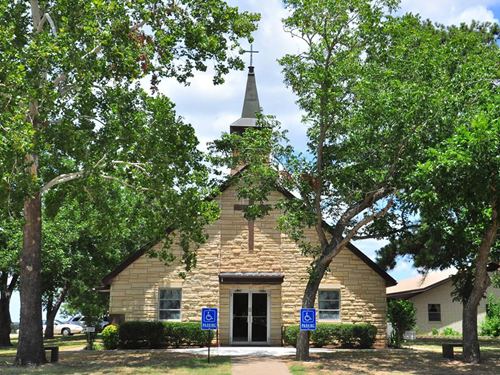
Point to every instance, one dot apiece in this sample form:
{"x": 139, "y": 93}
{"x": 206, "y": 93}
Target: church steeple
{"x": 251, "y": 105}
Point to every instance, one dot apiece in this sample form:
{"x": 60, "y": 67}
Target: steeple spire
{"x": 251, "y": 104}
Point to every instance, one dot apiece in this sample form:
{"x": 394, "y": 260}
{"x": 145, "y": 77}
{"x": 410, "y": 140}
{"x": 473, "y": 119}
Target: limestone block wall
{"x": 134, "y": 292}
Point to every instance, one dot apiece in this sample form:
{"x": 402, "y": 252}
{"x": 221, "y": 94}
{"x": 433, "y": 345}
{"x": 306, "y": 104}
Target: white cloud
{"x": 404, "y": 269}
{"x": 452, "y": 11}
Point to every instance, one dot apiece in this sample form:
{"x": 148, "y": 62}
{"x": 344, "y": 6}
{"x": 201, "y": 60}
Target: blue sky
{"x": 211, "y": 109}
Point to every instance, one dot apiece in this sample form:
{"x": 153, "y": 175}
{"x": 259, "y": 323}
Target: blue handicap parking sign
{"x": 307, "y": 319}
{"x": 208, "y": 318}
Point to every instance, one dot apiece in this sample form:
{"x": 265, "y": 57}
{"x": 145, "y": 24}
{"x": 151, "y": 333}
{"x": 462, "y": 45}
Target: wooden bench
{"x": 448, "y": 349}
{"x": 54, "y": 352}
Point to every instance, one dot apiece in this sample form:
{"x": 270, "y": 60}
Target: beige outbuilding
{"x": 432, "y": 297}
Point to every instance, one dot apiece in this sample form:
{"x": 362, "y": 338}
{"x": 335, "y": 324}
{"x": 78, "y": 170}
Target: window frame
{"x": 159, "y": 304}
{"x": 334, "y": 310}
{"x": 434, "y": 312}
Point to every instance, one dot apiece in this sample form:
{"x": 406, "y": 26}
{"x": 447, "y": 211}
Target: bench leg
{"x": 448, "y": 352}
{"x": 54, "y": 355}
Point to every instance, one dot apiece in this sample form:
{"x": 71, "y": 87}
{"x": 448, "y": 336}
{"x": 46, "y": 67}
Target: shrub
{"x": 110, "y": 337}
{"x": 491, "y": 324}
{"x": 366, "y": 334}
{"x": 290, "y": 335}
{"x": 448, "y": 331}
{"x": 359, "y": 335}
{"x": 322, "y": 335}
{"x": 402, "y": 315}
{"x": 141, "y": 334}
{"x": 435, "y": 332}
{"x": 177, "y": 334}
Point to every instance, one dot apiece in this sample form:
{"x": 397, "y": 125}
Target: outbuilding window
{"x": 434, "y": 312}
{"x": 329, "y": 304}
{"x": 170, "y": 304}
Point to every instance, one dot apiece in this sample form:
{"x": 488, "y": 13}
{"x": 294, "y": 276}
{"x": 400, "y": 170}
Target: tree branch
{"x": 62, "y": 179}
{"x": 12, "y": 284}
{"x": 369, "y": 199}
{"x": 132, "y": 164}
{"x": 47, "y": 18}
{"x": 367, "y": 219}
{"x": 124, "y": 183}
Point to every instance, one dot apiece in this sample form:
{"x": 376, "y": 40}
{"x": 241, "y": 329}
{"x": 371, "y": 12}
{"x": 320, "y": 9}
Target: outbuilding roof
{"x": 419, "y": 284}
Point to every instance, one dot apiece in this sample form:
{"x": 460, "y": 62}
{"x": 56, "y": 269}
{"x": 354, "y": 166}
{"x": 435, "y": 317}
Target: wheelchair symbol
{"x": 307, "y": 317}
{"x": 208, "y": 316}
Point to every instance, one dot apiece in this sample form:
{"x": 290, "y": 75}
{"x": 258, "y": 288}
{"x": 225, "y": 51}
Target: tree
{"x": 377, "y": 92}
{"x": 72, "y": 109}
{"x": 456, "y": 194}
{"x": 402, "y": 316}
{"x": 9, "y": 273}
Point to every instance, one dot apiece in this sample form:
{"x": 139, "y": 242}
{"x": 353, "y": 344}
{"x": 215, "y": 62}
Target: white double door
{"x": 249, "y": 318}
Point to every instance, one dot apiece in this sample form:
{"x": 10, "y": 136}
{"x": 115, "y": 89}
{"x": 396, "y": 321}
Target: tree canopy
{"x": 379, "y": 93}
{"x": 72, "y": 107}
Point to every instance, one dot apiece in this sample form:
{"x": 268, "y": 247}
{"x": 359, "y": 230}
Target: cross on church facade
{"x": 251, "y": 225}
{"x": 251, "y": 52}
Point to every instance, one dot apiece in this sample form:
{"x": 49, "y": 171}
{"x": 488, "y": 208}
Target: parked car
{"x": 64, "y": 329}
{"x": 80, "y": 320}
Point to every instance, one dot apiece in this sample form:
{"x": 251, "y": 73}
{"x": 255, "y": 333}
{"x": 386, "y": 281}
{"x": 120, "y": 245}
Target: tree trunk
{"x": 52, "y": 309}
{"x": 49, "y": 320}
{"x": 481, "y": 283}
{"x": 472, "y": 353}
{"x": 5, "y": 322}
{"x": 30, "y": 350}
{"x": 302, "y": 353}
{"x": 6, "y": 290}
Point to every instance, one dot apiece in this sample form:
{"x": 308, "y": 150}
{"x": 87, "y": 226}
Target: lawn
{"x": 422, "y": 356}
{"x": 124, "y": 362}
{"x": 75, "y": 342}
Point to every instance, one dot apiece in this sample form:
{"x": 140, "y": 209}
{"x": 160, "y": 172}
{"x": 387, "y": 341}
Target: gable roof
{"x": 107, "y": 280}
{"x": 419, "y": 284}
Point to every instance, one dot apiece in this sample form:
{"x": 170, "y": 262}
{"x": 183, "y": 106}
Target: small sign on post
{"x": 307, "y": 319}
{"x": 90, "y": 337}
{"x": 209, "y": 322}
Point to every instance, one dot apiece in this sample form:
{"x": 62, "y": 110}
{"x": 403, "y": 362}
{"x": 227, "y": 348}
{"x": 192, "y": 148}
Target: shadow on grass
{"x": 57, "y": 340}
{"x": 130, "y": 361}
{"x": 402, "y": 361}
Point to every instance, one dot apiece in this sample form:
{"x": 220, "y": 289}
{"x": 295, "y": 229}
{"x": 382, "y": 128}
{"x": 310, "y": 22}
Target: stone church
{"x": 251, "y": 272}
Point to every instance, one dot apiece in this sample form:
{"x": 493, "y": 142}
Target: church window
{"x": 329, "y": 304}
{"x": 170, "y": 304}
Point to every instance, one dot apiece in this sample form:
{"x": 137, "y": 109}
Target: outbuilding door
{"x": 249, "y": 318}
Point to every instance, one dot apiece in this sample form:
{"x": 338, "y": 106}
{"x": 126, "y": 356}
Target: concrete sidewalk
{"x": 258, "y": 366}
{"x": 248, "y": 351}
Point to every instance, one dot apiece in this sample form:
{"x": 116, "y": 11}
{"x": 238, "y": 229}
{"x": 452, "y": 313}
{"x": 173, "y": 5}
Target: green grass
{"x": 74, "y": 342}
{"x": 297, "y": 370}
{"x": 423, "y": 356}
{"x": 124, "y": 362}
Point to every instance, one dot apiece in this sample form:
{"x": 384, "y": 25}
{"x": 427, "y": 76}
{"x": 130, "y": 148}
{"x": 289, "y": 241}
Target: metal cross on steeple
{"x": 251, "y": 52}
